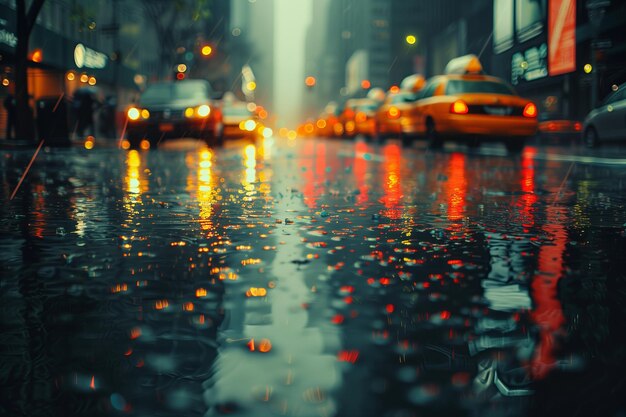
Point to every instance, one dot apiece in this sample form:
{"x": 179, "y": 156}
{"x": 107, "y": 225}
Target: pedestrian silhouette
{"x": 9, "y": 105}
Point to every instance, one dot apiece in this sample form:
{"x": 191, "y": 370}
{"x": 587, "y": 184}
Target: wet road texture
{"x": 311, "y": 278}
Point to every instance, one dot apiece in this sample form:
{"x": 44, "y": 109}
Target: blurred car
{"x": 607, "y": 122}
{"x": 239, "y": 121}
{"x": 468, "y": 105}
{"x": 173, "y": 109}
{"x": 397, "y": 116}
{"x": 365, "y": 117}
{"x": 555, "y": 126}
{"x": 346, "y": 118}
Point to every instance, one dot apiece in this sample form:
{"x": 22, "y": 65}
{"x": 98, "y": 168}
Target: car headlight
{"x": 201, "y": 112}
{"x": 135, "y": 114}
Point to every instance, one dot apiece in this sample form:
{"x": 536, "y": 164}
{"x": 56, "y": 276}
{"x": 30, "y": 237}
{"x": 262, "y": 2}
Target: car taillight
{"x": 393, "y": 113}
{"x": 459, "y": 107}
{"x": 361, "y": 117}
{"x": 578, "y": 126}
{"x": 530, "y": 110}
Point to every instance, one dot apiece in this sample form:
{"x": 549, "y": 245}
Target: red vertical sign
{"x": 562, "y": 37}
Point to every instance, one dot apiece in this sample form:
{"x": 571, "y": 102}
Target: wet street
{"x": 313, "y": 277}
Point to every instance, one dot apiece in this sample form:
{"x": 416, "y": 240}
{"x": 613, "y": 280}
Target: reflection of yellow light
{"x": 144, "y": 144}
{"x": 133, "y": 163}
{"x": 89, "y": 144}
{"x": 92, "y": 81}
{"x": 588, "y": 68}
{"x": 189, "y": 112}
{"x": 201, "y": 292}
{"x": 70, "y": 76}
{"x": 291, "y": 135}
{"x": 125, "y": 144}
{"x": 84, "y": 78}
{"x": 145, "y": 113}
{"x": 411, "y": 39}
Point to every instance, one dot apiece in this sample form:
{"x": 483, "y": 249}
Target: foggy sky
{"x": 292, "y": 20}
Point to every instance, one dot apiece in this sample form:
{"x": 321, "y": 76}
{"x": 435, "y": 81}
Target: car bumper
{"x": 486, "y": 126}
{"x": 171, "y": 129}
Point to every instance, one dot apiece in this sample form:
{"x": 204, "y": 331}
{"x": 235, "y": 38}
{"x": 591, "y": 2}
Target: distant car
{"x": 173, "y": 109}
{"x": 365, "y": 117}
{"x": 471, "y": 107}
{"x": 397, "y": 116}
{"x": 607, "y": 122}
{"x": 556, "y": 126}
{"x": 238, "y": 121}
{"x": 346, "y": 118}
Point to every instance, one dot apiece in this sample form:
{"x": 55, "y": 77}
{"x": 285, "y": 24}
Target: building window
{"x": 502, "y": 25}
{"x": 529, "y": 18}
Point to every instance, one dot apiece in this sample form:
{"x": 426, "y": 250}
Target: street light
{"x": 411, "y": 39}
{"x": 206, "y": 50}
{"x": 310, "y": 81}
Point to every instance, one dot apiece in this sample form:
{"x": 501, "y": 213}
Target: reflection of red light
{"x": 348, "y": 356}
{"x": 365, "y": 84}
{"x": 548, "y": 313}
{"x": 392, "y": 180}
{"x": 527, "y": 183}
{"x": 456, "y": 187}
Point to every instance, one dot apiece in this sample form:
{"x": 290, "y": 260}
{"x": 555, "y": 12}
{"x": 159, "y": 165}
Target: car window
{"x": 429, "y": 89}
{"x": 166, "y": 92}
{"x": 236, "y": 111}
{"x": 403, "y": 98}
{"x": 474, "y": 86}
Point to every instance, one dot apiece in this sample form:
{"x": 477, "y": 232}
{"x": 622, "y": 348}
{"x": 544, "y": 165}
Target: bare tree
{"x": 175, "y": 23}
{"x": 26, "y": 18}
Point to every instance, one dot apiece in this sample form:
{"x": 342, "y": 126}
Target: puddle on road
{"x": 325, "y": 278}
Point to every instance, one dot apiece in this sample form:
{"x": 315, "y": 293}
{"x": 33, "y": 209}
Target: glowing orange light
{"x": 310, "y": 81}
{"x": 144, "y": 144}
{"x": 459, "y": 107}
{"x": 84, "y": 78}
{"x": 394, "y": 89}
{"x": 135, "y": 332}
{"x": 360, "y": 117}
{"x": 71, "y": 76}
{"x": 125, "y": 144}
{"x": 188, "y": 306}
{"x": 530, "y": 110}
{"x": 37, "y": 55}
{"x": 309, "y": 128}
{"x": 393, "y": 113}
{"x": 321, "y": 124}
{"x": 365, "y": 84}
{"x": 251, "y": 345}
{"x": 265, "y": 345}
{"x": 201, "y": 292}
{"x": 92, "y": 384}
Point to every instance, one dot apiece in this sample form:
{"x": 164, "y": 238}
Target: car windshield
{"x": 168, "y": 92}
{"x": 403, "y": 98}
{"x": 236, "y": 111}
{"x": 467, "y": 86}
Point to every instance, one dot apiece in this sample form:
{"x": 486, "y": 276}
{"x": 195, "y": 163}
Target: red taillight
{"x": 578, "y": 126}
{"x": 361, "y": 117}
{"x": 459, "y": 107}
{"x": 393, "y": 113}
{"x": 530, "y": 110}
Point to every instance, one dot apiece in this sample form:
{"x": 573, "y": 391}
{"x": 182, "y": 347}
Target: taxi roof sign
{"x": 413, "y": 83}
{"x": 466, "y": 64}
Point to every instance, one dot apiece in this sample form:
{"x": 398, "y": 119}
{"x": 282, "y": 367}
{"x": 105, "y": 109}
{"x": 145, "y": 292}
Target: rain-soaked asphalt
{"x": 312, "y": 278}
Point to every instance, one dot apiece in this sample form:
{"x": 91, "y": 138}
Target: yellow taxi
{"x": 466, "y": 104}
{"x": 397, "y": 116}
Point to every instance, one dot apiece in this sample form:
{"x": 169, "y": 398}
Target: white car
{"x": 607, "y": 122}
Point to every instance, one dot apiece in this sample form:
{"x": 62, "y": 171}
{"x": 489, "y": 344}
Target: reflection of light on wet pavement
{"x": 272, "y": 361}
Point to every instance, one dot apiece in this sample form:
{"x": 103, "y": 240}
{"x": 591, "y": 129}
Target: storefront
{"x": 58, "y": 66}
